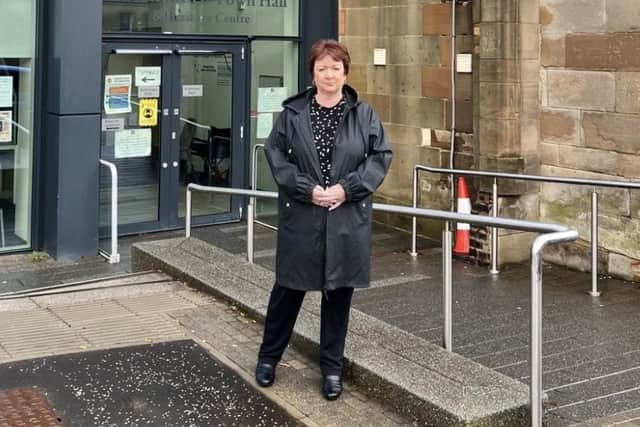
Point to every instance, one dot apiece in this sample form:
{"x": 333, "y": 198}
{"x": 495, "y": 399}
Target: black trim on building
{"x": 68, "y": 91}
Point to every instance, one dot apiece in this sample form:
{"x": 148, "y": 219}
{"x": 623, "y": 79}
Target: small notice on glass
{"x": 6, "y": 126}
{"x": 6, "y": 91}
{"x": 132, "y": 143}
{"x": 191, "y": 91}
{"x": 112, "y": 124}
{"x": 264, "y": 125}
{"x": 148, "y": 112}
{"x": 148, "y": 91}
{"x": 117, "y": 93}
{"x": 270, "y": 99}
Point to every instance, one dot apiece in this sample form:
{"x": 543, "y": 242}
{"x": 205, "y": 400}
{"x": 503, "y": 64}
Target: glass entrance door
{"x": 171, "y": 115}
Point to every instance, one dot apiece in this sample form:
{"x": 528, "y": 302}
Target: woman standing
{"x": 328, "y": 153}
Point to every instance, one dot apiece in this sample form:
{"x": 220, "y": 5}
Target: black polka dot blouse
{"x": 324, "y": 123}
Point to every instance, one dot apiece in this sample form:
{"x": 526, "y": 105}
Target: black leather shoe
{"x": 331, "y": 387}
{"x": 265, "y": 374}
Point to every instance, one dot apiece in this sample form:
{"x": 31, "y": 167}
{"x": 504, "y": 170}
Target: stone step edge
{"x": 383, "y": 374}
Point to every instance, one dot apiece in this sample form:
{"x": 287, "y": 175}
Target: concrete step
{"x": 415, "y": 377}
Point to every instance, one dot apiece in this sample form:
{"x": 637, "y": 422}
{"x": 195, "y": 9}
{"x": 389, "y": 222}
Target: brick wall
{"x": 412, "y": 92}
{"x": 590, "y": 122}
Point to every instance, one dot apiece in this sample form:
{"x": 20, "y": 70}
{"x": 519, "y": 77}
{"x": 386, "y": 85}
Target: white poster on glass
{"x": 264, "y": 125}
{"x": 270, "y": 99}
{"x": 6, "y": 91}
{"x": 132, "y": 143}
{"x": 117, "y": 93}
{"x": 6, "y": 126}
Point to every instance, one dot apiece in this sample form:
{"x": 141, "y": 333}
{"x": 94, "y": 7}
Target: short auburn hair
{"x": 334, "y": 49}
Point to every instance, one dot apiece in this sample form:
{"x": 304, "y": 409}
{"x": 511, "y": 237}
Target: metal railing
{"x": 552, "y": 234}
{"x": 254, "y": 185}
{"x": 251, "y": 208}
{"x": 2, "y": 241}
{"x": 494, "y": 211}
{"x": 114, "y": 256}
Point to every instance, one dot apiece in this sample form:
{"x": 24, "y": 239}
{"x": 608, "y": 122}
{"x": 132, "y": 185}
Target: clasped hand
{"x": 331, "y": 197}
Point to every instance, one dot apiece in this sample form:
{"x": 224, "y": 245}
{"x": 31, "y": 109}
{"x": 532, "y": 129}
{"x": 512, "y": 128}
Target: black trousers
{"x": 284, "y": 306}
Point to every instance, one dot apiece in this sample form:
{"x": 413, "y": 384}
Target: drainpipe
{"x": 453, "y": 101}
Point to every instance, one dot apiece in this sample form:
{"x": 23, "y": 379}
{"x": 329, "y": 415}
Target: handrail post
{"x": 536, "y": 318}
{"x": 2, "y": 229}
{"x": 250, "y": 219}
{"x": 494, "y": 230}
{"x": 594, "y": 245}
{"x": 536, "y": 334}
{"x": 114, "y": 256}
{"x": 414, "y": 220}
{"x": 251, "y": 209}
{"x": 447, "y": 273}
{"x": 187, "y": 217}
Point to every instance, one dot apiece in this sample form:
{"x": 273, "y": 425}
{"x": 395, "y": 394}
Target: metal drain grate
{"x": 26, "y": 406}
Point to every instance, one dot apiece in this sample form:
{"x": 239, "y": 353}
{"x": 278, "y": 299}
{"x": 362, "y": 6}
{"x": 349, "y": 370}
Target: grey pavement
{"x": 591, "y": 358}
{"x": 160, "y": 353}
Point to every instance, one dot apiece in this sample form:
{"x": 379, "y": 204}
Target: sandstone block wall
{"x": 590, "y": 123}
{"x": 412, "y": 92}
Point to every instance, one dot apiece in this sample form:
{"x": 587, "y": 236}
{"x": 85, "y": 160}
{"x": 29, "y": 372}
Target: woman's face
{"x": 329, "y": 75}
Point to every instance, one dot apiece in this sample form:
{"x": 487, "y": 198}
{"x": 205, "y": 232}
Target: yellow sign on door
{"x": 148, "y": 113}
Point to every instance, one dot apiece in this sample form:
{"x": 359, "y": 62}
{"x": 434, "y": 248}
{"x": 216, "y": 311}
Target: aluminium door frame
{"x": 167, "y": 210}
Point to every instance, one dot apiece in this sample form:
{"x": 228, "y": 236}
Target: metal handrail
{"x": 553, "y": 233}
{"x": 114, "y": 256}
{"x": 494, "y": 211}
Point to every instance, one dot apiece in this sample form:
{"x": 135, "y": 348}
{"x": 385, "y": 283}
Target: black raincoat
{"x": 320, "y": 249}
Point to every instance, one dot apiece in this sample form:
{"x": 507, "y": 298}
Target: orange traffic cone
{"x": 462, "y": 229}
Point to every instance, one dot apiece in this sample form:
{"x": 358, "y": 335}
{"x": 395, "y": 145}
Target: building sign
{"x": 255, "y": 17}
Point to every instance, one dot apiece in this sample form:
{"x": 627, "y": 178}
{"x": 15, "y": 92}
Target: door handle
{"x": 165, "y": 165}
{"x": 175, "y": 164}
{"x": 197, "y": 51}
{"x": 142, "y": 51}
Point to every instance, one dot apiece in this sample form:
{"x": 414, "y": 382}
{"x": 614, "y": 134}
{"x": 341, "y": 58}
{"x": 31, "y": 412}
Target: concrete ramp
{"x": 415, "y": 377}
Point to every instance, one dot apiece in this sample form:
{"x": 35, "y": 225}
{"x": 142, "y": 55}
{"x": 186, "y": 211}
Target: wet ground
{"x": 166, "y": 384}
{"x": 591, "y": 359}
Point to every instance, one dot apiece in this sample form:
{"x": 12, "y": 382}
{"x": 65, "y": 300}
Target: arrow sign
{"x": 148, "y": 76}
